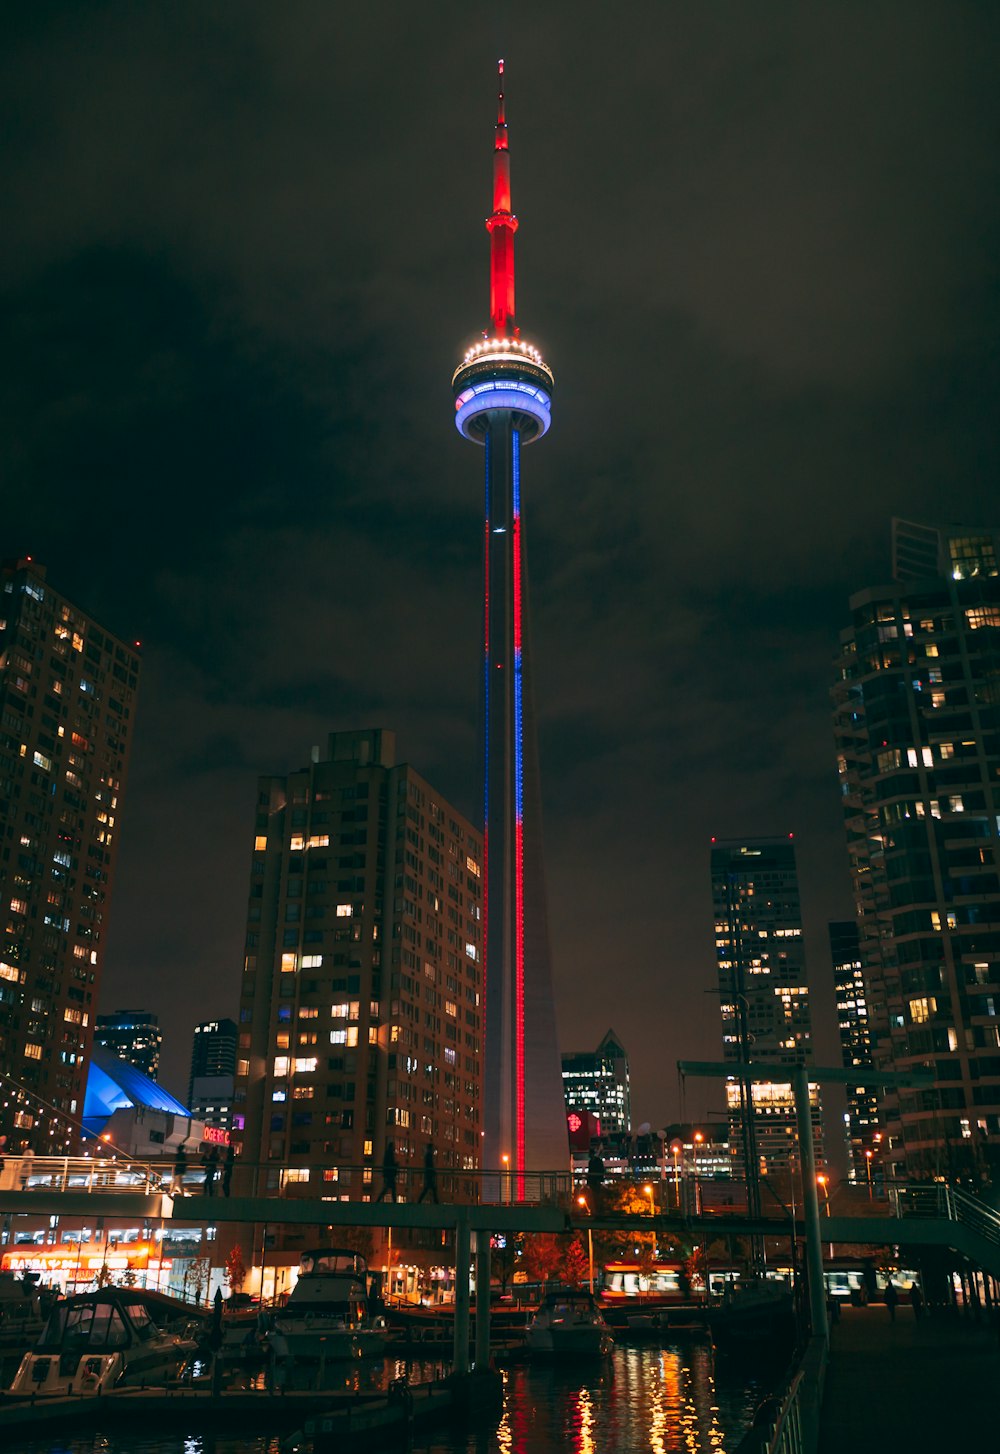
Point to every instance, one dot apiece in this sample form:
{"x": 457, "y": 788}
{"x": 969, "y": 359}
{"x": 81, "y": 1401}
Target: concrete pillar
{"x": 463, "y": 1264}
{"x": 482, "y": 1300}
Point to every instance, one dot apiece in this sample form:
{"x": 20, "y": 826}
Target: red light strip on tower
{"x": 515, "y": 446}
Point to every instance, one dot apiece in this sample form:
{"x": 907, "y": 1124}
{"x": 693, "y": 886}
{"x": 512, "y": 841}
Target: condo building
{"x": 596, "y": 1082}
{"x": 67, "y": 712}
{"x": 360, "y": 1017}
{"x": 862, "y": 1135}
{"x": 917, "y": 729}
{"x": 133, "y": 1036}
{"x": 764, "y": 994}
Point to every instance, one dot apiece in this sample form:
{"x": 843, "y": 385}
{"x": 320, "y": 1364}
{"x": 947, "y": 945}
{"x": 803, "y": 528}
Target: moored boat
{"x": 327, "y": 1314}
{"x": 569, "y": 1322}
{"x": 97, "y": 1341}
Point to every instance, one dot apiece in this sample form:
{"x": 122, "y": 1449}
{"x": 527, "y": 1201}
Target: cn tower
{"x": 503, "y": 399}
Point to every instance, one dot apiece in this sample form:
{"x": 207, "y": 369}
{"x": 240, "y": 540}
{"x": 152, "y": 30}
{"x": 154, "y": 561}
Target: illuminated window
{"x": 33, "y": 1051}
{"x": 344, "y": 911}
{"x": 303, "y": 1093}
{"x": 372, "y": 1034}
{"x": 288, "y": 963}
{"x": 352, "y": 1035}
{"x": 243, "y": 1067}
{"x": 331, "y": 1173}
{"x": 312, "y": 961}
{"x": 281, "y": 1065}
{"x": 260, "y": 842}
{"x": 19, "y": 906}
{"x": 297, "y": 1173}
{"x": 42, "y": 761}
{"x": 339, "y": 1012}
{"x": 978, "y": 616}
{"x": 338, "y": 1037}
{"x": 922, "y": 1009}
{"x": 281, "y": 1040}
{"x": 319, "y": 840}
{"x": 297, "y": 842}
{"x": 473, "y": 867}
{"x": 305, "y": 1065}
{"x": 308, "y": 1012}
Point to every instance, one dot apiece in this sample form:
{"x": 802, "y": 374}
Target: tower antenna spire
{"x": 501, "y": 225}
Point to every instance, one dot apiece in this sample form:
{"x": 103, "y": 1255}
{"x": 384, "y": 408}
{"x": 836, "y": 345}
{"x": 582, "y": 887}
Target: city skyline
{"x": 767, "y": 262}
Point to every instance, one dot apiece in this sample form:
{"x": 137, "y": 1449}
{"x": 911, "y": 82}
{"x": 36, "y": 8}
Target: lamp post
{"x": 505, "y": 1195}
{"x": 824, "y": 1181}
{"x": 697, "y": 1140}
{"x": 677, "y": 1148}
{"x": 652, "y": 1204}
{"x": 581, "y": 1201}
{"x": 868, "y": 1167}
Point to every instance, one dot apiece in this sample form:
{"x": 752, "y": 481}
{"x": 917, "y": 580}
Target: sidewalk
{"x": 913, "y": 1386}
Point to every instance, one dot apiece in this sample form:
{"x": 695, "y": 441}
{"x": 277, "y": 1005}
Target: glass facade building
{"x": 598, "y": 1081}
{"x": 917, "y": 729}
{"x": 133, "y": 1036}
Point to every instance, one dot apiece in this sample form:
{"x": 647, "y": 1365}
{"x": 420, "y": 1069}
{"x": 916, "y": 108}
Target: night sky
{"x": 243, "y": 250}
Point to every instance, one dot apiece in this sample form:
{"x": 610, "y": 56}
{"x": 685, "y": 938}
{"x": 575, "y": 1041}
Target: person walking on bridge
{"x": 430, "y": 1176}
{"x": 891, "y": 1299}
{"x": 389, "y": 1171}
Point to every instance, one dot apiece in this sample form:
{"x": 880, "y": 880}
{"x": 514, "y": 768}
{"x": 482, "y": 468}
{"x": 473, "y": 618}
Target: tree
{"x": 542, "y": 1257}
{"x": 576, "y": 1263}
{"x": 129, "y": 1278}
{"x": 236, "y": 1271}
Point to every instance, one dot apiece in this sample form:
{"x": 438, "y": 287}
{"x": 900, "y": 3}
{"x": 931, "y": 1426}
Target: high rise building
{"x": 211, "y": 1084}
{"x": 503, "y": 392}
{"x": 67, "y": 704}
{"x": 764, "y": 993}
{"x": 133, "y": 1036}
{"x": 213, "y": 1051}
{"x": 598, "y": 1081}
{"x": 917, "y": 729}
{"x": 360, "y": 1012}
{"x": 861, "y": 1118}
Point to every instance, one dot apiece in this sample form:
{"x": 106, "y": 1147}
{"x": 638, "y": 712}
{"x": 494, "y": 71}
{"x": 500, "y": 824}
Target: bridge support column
{"x": 463, "y": 1265}
{"x": 482, "y": 1300}
{"x": 810, "y": 1203}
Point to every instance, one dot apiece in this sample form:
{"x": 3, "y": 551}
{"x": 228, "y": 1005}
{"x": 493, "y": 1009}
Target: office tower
{"x": 133, "y": 1036}
{"x": 502, "y": 400}
{"x": 360, "y": 1012}
{"x": 67, "y": 703}
{"x": 861, "y": 1119}
{"x": 917, "y": 729}
{"x": 597, "y": 1081}
{"x": 764, "y": 993}
{"x": 211, "y": 1084}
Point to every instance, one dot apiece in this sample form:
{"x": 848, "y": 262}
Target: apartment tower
{"x": 917, "y": 729}
{"x": 67, "y": 712}
{"x": 360, "y": 1015}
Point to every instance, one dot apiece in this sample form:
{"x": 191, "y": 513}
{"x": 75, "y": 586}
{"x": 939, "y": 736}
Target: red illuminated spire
{"x": 501, "y": 226}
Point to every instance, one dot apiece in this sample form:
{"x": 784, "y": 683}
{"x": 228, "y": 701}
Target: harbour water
{"x": 682, "y": 1397}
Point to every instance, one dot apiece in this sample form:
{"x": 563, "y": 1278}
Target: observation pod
{"x": 503, "y": 373}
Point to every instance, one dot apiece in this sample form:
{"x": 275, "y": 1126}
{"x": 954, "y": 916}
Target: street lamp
{"x": 824, "y": 1181}
{"x": 677, "y": 1148}
{"x": 652, "y": 1204}
{"x": 581, "y": 1201}
{"x": 697, "y": 1140}
{"x": 868, "y": 1167}
{"x": 505, "y": 1197}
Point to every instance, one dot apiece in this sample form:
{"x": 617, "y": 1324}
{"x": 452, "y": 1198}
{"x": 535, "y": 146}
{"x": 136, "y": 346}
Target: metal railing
{"x": 81, "y": 1174}
{"x": 787, "y": 1435}
{"x": 937, "y": 1199}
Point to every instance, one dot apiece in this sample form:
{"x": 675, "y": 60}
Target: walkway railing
{"x": 81, "y": 1174}
{"x": 936, "y": 1199}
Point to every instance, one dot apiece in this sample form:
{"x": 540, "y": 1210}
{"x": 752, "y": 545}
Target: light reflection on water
{"x": 642, "y": 1400}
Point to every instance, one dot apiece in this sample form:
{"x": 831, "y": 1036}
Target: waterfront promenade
{"x": 910, "y": 1385}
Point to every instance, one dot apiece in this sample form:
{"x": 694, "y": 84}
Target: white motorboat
{"x": 327, "y": 1314}
{"x": 569, "y": 1322}
{"x": 99, "y": 1341}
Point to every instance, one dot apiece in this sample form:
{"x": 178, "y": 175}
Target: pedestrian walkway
{"x": 913, "y": 1385}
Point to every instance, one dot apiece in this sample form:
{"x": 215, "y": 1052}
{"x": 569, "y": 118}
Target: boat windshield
{"x": 85, "y": 1326}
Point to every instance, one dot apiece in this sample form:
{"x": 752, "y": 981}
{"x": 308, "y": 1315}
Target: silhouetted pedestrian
{"x": 180, "y": 1171}
{"x": 430, "y": 1187}
{"x": 595, "y": 1175}
{"x": 389, "y": 1172}
{"x": 211, "y": 1166}
{"x": 227, "y": 1169}
{"x": 891, "y": 1299}
{"x": 917, "y": 1299}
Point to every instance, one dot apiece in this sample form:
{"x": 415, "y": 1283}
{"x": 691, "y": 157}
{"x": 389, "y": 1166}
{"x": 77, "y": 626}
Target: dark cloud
{"x": 243, "y": 253}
